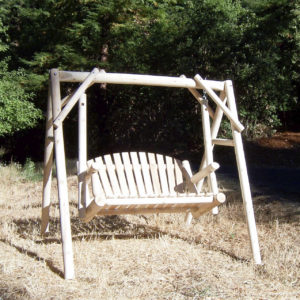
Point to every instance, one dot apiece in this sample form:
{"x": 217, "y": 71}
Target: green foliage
{"x": 254, "y": 43}
{"x": 15, "y": 171}
{"x": 16, "y": 111}
{"x": 29, "y": 172}
{"x": 268, "y": 80}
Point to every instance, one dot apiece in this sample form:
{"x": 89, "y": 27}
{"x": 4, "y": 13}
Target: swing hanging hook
{"x": 204, "y": 96}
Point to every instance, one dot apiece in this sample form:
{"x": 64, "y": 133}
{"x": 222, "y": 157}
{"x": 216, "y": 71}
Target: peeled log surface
{"x": 135, "y": 79}
{"x": 198, "y": 205}
{"x": 205, "y": 207}
{"x": 205, "y": 172}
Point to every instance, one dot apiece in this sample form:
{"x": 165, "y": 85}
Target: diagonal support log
{"x": 75, "y": 97}
{"x": 48, "y": 163}
{"x": 198, "y": 97}
{"x": 232, "y": 118}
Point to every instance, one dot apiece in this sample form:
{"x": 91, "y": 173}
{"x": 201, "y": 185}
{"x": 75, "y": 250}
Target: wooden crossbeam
{"x": 135, "y": 79}
{"x": 223, "y": 142}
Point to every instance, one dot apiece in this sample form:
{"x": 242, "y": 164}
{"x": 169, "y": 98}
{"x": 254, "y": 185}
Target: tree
{"x": 254, "y": 43}
{"x": 17, "y": 112}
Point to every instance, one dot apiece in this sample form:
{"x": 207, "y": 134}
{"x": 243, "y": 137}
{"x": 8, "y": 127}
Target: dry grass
{"x": 146, "y": 257}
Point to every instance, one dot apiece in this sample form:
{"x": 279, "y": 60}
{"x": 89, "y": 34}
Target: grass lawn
{"x": 147, "y": 256}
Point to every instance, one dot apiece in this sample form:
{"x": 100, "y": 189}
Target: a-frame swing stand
{"x": 133, "y": 183}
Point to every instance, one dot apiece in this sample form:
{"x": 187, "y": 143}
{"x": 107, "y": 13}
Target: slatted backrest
{"x": 104, "y": 178}
{"x": 140, "y": 174}
{"x": 171, "y": 175}
{"x": 121, "y": 174}
{"x": 129, "y": 174}
{"x": 146, "y": 173}
{"x": 154, "y": 173}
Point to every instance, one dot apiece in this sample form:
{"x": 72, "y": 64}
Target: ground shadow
{"x": 101, "y": 228}
{"x": 35, "y": 256}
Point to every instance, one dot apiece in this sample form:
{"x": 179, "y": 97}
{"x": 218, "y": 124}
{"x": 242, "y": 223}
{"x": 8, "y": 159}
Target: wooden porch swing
{"x": 139, "y": 182}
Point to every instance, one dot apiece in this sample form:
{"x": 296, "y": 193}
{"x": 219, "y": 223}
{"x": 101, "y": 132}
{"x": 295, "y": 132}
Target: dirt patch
{"x": 280, "y": 140}
{"x": 280, "y": 150}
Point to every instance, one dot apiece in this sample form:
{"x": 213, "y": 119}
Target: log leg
{"x": 62, "y": 179}
{"x": 243, "y": 176}
{"x": 48, "y": 162}
{"x": 188, "y": 218}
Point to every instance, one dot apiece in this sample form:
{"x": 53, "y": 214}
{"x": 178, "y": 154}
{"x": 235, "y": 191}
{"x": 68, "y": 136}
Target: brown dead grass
{"x": 149, "y": 256}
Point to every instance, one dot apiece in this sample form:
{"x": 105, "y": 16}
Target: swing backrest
{"x": 140, "y": 175}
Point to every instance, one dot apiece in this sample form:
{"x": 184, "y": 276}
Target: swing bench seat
{"x": 140, "y": 183}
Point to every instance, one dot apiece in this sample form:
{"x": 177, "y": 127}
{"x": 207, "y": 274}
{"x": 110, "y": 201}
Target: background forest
{"x": 254, "y": 43}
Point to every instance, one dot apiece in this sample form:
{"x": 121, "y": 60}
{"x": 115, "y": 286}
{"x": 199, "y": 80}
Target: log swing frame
{"x": 192, "y": 202}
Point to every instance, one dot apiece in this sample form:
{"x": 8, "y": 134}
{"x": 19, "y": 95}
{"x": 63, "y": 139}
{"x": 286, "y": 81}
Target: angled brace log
{"x": 75, "y": 97}
{"x": 220, "y": 103}
{"x": 198, "y": 97}
{"x": 48, "y": 162}
{"x": 205, "y": 172}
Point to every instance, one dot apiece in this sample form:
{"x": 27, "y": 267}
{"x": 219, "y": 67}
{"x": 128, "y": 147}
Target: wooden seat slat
{"x": 159, "y": 201}
{"x": 111, "y": 170}
{"x": 170, "y": 173}
{"x": 121, "y": 175}
{"x": 137, "y": 173}
{"x": 96, "y": 186}
{"x": 129, "y": 175}
{"x": 104, "y": 178}
{"x": 162, "y": 174}
{"x": 154, "y": 173}
{"x": 146, "y": 173}
{"x": 180, "y": 188}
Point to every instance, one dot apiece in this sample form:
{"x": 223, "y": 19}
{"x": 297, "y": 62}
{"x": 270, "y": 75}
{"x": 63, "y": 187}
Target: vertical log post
{"x": 82, "y": 155}
{"x": 62, "y": 179}
{"x": 212, "y": 180}
{"x": 48, "y": 162}
{"x": 243, "y": 175}
{"x": 214, "y": 132}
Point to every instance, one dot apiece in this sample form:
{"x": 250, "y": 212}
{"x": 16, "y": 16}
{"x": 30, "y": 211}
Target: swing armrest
{"x": 205, "y": 172}
{"x": 92, "y": 168}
